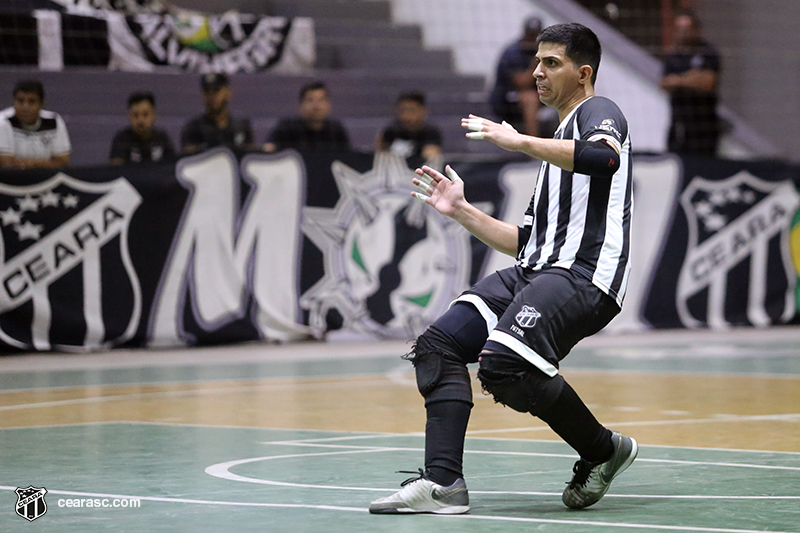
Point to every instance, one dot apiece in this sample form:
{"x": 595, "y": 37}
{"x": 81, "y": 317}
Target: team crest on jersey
{"x": 527, "y": 317}
{"x": 737, "y": 225}
{"x": 377, "y": 282}
{"x": 30, "y": 502}
{"x": 56, "y": 239}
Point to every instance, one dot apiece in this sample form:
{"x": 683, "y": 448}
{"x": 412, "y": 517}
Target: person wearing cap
{"x": 514, "y": 98}
{"x": 216, "y": 127}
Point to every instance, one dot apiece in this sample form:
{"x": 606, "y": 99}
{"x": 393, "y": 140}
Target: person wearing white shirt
{"x": 31, "y": 137}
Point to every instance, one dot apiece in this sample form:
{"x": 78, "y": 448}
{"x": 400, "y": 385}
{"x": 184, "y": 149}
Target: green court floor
{"x": 195, "y": 478}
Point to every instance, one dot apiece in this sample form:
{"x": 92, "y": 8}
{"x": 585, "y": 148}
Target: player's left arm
{"x": 596, "y": 156}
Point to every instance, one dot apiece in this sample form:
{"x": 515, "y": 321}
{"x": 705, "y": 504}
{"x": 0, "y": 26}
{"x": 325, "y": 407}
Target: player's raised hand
{"x": 443, "y": 193}
{"x": 503, "y": 135}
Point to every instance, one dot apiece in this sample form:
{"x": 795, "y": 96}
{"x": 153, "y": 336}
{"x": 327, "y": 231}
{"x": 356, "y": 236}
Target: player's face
{"x": 216, "y": 100}
{"x": 685, "y": 30}
{"x": 142, "y": 116}
{"x": 556, "y": 75}
{"x": 315, "y": 106}
{"x": 27, "y": 107}
{"x": 411, "y": 114}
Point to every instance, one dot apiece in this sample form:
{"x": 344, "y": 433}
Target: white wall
{"x": 478, "y": 30}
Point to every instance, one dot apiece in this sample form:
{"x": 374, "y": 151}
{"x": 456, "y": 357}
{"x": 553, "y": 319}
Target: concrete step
{"x": 379, "y": 11}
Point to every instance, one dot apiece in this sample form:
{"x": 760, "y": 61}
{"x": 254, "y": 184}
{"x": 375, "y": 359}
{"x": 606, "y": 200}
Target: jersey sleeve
{"x": 600, "y": 119}
{"x": 61, "y": 144}
{"x": 6, "y": 137}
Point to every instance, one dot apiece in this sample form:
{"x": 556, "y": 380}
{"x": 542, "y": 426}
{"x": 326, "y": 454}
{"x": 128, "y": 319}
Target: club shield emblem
{"x": 527, "y": 317}
{"x": 738, "y": 241}
{"x": 30, "y": 502}
{"x": 57, "y": 238}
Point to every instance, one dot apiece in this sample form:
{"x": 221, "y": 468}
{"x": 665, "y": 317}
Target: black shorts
{"x": 539, "y": 315}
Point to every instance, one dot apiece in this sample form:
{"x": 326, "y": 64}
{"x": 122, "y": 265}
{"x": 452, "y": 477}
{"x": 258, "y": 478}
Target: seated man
{"x": 216, "y": 127}
{"x": 409, "y": 135}
{"x": 312, "y": 129}
{"x": 31, "y": 137}
{"x": 514, "y": 97}
{"x": 141, "y": 142}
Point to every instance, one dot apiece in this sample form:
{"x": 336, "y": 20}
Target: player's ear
{"x": 585, "y": 74}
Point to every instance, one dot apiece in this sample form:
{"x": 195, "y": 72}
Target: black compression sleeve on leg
{"x": 572, "y": 421}
{"x": 444, "y": 440}
{"x": 595, "y": 158}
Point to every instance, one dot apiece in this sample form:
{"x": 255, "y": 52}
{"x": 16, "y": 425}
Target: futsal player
{"x": 568, "y": 283}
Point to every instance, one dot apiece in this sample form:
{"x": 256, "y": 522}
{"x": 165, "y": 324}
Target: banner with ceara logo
{"x": 220, "y": 247}
{"x": 81, "y": 33}
{"x": 727, "y": 260}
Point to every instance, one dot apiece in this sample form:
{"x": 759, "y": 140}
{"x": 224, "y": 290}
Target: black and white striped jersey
{"x": 580, "y": 222}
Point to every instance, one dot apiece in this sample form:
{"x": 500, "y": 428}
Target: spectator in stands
{"x": 141, "y": 142}
{"x": 31, "y": 137}
{"x": 410, "y": 135}
{"x": 691, "y": 76}
{"x": 216, "y": 127}
{"x": 313, "y": 129}
{"x": 514, "y": 98}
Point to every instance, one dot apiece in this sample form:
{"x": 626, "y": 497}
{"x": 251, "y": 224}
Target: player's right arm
{"x": 446, "y": 195}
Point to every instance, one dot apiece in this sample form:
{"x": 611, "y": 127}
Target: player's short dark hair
{"x": 141, "y": 96}
{"x": 29, "y": 86}
{"x": 417, "y": 97}
{"x": 583, "y": 46}
{"x": 313, "y": 86}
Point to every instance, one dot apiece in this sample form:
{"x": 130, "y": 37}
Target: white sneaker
{"x": 420, "y": 495}
{"x": 591, "y": 480}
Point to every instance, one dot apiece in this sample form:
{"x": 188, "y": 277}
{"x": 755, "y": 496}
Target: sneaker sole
{"x": 452, "y": 509}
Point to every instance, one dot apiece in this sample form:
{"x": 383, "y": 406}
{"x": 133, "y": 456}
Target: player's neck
{"x": 583, "y": 93}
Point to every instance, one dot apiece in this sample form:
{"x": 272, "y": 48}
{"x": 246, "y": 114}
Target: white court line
{"x": 535, "y": 454}
{"x": 787, "y": 417}
{"x": 364, "y": 510}
{"x": 222, "y": 470}
{"x": 196, "y": 392}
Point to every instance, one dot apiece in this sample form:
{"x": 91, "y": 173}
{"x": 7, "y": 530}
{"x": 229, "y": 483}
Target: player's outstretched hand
{"x": 444, "y": 193}
{"x": 503, "y": 135}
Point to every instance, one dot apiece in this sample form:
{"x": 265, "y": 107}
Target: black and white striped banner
{"x": 188, "y": 41}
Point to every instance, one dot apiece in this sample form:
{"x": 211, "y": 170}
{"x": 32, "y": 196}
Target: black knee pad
{"x": 440, "y": 376}
{"x": 527, "y": 389}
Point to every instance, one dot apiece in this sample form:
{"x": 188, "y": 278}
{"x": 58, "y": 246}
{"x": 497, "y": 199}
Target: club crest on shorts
{"x": 30, "y": 502}
{"x": 57, "y": 238}
{"x": 392, "y": 263}
{"x": 527, "y": 317}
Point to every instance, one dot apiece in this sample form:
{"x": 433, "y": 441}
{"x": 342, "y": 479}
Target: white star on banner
{"x": 28, "y": 203}
{"x": 50, "y": 198}
{"x": 10, "y": 216}
{"x": 29, "y": 231}
{"x": 70, "y": 200}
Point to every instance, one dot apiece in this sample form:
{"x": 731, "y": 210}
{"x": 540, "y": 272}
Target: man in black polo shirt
{"x": 313, "y": 129}
{"x": 410, "y": 134}
{"x": 691, "y": 76}
{"x": 216, "y": 127}
{"x": 141, "y": 142}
